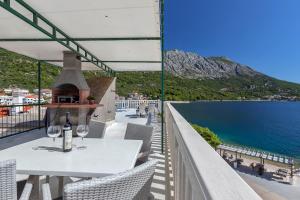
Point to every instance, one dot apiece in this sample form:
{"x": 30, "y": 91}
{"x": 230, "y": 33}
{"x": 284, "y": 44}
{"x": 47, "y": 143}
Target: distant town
{"x": 19, "y": 96}
{"x": 132, "y": 96}
{"x": 275, "y": 97}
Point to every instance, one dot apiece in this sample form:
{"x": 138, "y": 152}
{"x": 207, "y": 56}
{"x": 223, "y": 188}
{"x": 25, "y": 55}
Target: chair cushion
{"x": 140, "y": 132}
{"x": 96, "y": 129}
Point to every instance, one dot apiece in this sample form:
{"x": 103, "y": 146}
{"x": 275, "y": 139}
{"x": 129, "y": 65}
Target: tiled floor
{"x": 163, "y": 173}
{"x": 161, "y": 177}
{"x": 159, "y": 180}
{"x": 162, "y": 186}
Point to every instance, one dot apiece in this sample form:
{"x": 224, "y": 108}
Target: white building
{"x": 18, "y": 95}
{"x": 19, "y": 92}
{"x": 8, "y": 91}
{"x": 44, "y": 92}
{"x": 6, "y": 100}
{"x": 32, "y": 100}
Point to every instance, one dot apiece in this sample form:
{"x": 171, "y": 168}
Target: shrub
{"x": 208, "y": 135}
{"x": 90, "y": 98}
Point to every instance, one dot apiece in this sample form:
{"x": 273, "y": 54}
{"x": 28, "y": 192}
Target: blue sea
{"x": 268, "y": 126}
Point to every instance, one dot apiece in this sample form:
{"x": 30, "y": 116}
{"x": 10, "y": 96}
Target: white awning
{"x": 124, "y": 34}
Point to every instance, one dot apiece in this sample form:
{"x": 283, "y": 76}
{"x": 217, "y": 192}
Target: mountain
{"x": 188, "y": 77}
{"x": 193, "y": 77}
{"x": 194, "y": 66}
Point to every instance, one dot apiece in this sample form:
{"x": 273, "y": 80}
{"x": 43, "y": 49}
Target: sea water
{"x": 268, "y": 126}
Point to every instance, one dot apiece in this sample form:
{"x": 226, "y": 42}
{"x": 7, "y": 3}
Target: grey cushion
{"x": 140, "y": 132}
{"x": 96, "y": 129}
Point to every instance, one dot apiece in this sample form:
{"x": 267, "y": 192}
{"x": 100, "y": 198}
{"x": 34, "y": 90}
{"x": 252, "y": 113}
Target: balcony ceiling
{"x": 124, "y": 34}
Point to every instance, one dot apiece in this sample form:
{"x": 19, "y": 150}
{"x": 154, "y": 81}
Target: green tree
{"x": 208, "y": 135}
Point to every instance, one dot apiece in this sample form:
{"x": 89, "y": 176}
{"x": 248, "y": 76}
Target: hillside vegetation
{"x": 179, "y": 88}
{"x": 21, "y": 71}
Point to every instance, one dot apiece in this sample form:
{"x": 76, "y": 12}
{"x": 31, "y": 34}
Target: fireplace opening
{"x": 66, "y": 93}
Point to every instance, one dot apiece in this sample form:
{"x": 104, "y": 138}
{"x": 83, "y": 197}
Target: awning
{"x": 122, "y": 35}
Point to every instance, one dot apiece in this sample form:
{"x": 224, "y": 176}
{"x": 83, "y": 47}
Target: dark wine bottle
{"x": 67, "y": 134}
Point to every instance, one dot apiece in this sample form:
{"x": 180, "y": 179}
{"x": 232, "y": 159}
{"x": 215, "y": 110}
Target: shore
{"x": 269, "y": 186}
{"x": 270, "y": 167}
{"x": 245, "y": 100}
{"x": 271, "y": 190}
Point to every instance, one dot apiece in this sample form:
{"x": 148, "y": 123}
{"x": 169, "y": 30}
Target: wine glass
{"x": 82, "y": 131}
{"x": 54, "y": 132}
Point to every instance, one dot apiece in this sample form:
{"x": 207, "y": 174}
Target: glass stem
{"x": 54, "y": 139}
{"x": 82, "y": 138}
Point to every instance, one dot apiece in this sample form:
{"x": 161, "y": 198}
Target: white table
{"x": 102, "y": 157}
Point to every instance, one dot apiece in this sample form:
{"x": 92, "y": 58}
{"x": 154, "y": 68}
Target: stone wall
{"x": 103, "y": 88}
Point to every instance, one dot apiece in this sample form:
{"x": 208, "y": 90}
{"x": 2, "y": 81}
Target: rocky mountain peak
{"x": 192, "y": 65}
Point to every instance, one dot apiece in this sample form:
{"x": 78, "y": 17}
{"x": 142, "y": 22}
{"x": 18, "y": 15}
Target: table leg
{"x": 35, "y": 181}
{"x": 60, "y": 185}
{"x": 47, "y": 179}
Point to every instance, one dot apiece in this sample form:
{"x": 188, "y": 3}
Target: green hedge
{"x": 208, "y": 135}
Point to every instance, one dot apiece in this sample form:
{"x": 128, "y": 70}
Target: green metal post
{"x": 35, "y": 19}
{"x": 7, "y": 2}
{"x": 39, "y": 92}
{"x": 162, "y": 72}
{"x": 54, "y": 33}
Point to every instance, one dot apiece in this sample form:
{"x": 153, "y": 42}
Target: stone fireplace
{"x": 69, "y": 94}
{"x": 70, "y": 86}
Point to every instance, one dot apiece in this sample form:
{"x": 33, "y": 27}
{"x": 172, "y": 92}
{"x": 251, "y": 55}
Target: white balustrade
{"x": 199, "y": 172}
{"x": 125, "y": 104}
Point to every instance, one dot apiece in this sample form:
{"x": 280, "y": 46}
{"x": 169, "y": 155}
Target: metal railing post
{"x": 39, "y": 93}
{"x": 162, "y": 72}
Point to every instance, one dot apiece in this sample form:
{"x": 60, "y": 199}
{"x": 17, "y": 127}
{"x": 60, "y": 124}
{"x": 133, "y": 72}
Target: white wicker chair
{"x": 133, "y": 184}
{"x": 8, "y": 184}
{"x": 142, "y": 110}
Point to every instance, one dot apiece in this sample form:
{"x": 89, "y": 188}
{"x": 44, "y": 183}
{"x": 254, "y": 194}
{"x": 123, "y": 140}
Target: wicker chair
{"x": 142, "y": 110}
{"x": 8, "y": 184}
{"x": 140, "y": 132}
{"x": 133, "y": 184}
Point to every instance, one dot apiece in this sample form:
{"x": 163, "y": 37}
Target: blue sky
{"x": 264, "y": 34}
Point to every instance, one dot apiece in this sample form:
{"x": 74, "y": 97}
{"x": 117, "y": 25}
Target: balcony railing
{"x": 15, "y": 119}
{"x": 20, "y": 118}
{"x": 199, "y": 172}
{"x": 124, "y": 104}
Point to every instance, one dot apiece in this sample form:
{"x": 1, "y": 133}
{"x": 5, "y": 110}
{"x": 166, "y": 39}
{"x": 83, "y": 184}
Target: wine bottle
{"x": 67, "y": 134}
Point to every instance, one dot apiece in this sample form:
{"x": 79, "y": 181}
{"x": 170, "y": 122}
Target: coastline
{"x": 237, "y": 100}
{"x": 246, "y": 100}
{"x": 269, "y": 185}
{"x": 271, "y": 128}
{"x": 270, "y": 169}
{"x": 273, "y": 166}
{"x": 296, "y": 160}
